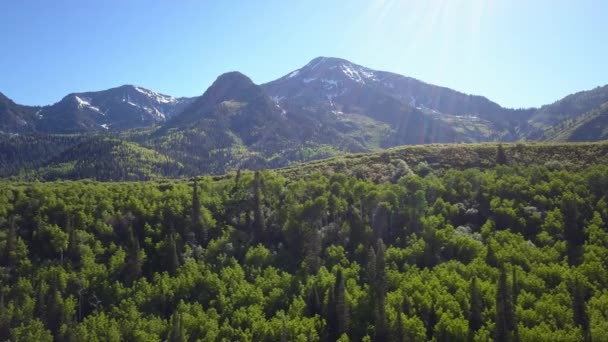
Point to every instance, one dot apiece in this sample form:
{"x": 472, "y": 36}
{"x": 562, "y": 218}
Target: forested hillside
{"x": 507, "y": 252}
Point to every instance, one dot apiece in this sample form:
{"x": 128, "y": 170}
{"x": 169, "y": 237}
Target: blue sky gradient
{"x": 519, "y": 53}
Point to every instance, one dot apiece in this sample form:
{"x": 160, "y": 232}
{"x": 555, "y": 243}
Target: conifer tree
{"x": 573, "y": 232}
{"x": 313, "y": 302}
{"x": 379, "y": 292}
{"x": 198, "y": 229}
{"x": 284, "y": 334}
{"x": 341, "y": 304}
{"x": 406, "y": 306}
{"x": 177, "y": 332}
{"x": 11, "y": 240}
{"x": 259, "y": 224}
{"x": 501, "y": 156}
{"x": 399, "y": 329}
{"x": 476, "y": 309}
{"x": 333, "y": 332}
{"x": 337, "y": 309}
{"x": 171, "y": 255}
{"x": 431, "y": 321}
{"x": 491, "y": 258}
{"x": 515, "y": 291}
{"x": 581, "y": 319}
{"x": 504, "y": 310}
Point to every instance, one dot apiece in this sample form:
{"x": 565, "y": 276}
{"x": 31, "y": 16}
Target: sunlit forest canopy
{"x": 506, "y": 252}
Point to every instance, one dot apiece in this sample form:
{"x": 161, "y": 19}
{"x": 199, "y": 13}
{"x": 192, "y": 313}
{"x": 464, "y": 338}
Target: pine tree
{"x": 573, "y": 232}
{"x": 11, "y": 241}
{"x": 379, "y": 292}
{"x": 501, "y": 156}
{"x": 476, "y": 309}
{"x": 371, "y": 268}
{"x": 491, "y": 258}
{"x": 341, "y": 304}
{"x": 259, "y": 224}
{"x": 4, "y": 323}
{"x": 504, "y": 310}
{"x": 515, "y": 291}
{"x": 198, "y": 229}
{"x": 171, "y": 255}
{"x": 177, "y": 332}
{"x": 135, "y": 261}
{"x": 284, "y": 333}
{"x": 406, "y": 306}
{"x": 399, "y": 329}
{"x": 313, "y": 302}
{"x": 431, "y": 321}
{"x": 333, "y": 330}
{"x": 581, "y": 319}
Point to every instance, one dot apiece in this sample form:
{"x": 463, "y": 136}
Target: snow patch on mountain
{"x": 329, "y": 83}
{"x": 294, "y": 74}
{"x": 358, "y": 74}
{"x": 156, "y": 114}
{"x": 85, "y": 103}
{"x": 159, "y": 98}
{"x": 277, "y": 99}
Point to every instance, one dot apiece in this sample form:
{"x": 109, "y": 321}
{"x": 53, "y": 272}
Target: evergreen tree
{"x": 515, "y": 291}
{"x": 431, "y": 321}
{"x": 74, "y": 245}
{"x": 573, "y": 232}
{"x": 581, "y": 319}
{"x": 501, "y": 156}
{"x": 333, "y": 329}
{"x": 259, "y": 224}
{"x": 11, "y": 240}
{"x": 406, "y": 306}
{"x": 313, "y": 302}
{"x": 504, "y": 310}
{"x": 171, "y": 257}
{"x": 399, "y": 329}
{"x": 379, "y": 292}
{"x": 371, "y": 269}
{"x": 341, "y": 304}
{"x": 284, "y": 333}
{"x": 177, "y": 332}
{"x": 491, "y": 258}
{"x": 198, "y": 229}
{"x": 135, "y": 260}
{"x": 337, "y": 309}
{"x": 476, "y": 309}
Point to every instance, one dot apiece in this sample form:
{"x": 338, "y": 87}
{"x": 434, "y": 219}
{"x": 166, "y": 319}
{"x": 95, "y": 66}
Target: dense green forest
{"x": 506, "y": 252}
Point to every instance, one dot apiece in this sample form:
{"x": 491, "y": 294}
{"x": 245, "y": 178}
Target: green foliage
{"x": 467, "y": 255}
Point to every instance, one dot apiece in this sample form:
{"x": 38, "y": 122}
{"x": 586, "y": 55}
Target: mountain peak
{"x": 229, "y": 85}
{"x": 325, "y": 61}
{"x": 232, "y": 78}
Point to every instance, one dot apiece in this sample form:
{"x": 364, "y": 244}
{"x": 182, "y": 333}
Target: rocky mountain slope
{"x": 328, "y": 107}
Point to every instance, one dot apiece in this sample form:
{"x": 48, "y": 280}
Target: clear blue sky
{"x": 516, "y": 52}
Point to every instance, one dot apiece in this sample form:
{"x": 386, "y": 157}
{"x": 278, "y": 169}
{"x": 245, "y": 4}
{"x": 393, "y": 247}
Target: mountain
{"x": 233, "y": 124}
{"x": 124, "y": 107}
{"x": 326, "y": 108}
{"x": 410, "y": 111}
{"x": 16, "y": 118}
{"x": 576, "y": 117}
